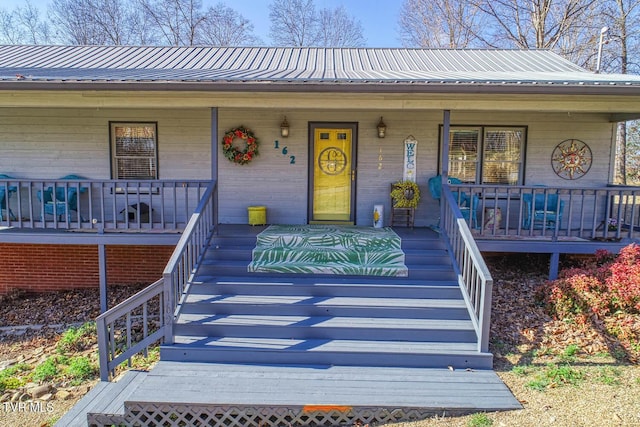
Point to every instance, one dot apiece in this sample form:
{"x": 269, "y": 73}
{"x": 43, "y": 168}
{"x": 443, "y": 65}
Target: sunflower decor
{"x": 405, "y": 194}
{"x": 235, "y": 154}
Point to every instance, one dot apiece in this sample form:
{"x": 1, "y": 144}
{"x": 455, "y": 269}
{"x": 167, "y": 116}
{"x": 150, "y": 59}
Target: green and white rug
{"x": 329, "y": 249}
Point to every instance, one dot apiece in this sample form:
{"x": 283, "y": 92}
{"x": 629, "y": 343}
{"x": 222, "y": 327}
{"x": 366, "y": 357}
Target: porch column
{"x": 444, "y": 161}
{"x": 102, "y": 271}
{"x": 214, "y": 160}
{"x": 214, "y": 143}
{"x": 554, "y": 265}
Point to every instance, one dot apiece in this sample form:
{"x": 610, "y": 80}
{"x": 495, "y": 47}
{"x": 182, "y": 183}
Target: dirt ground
{"x": 564, "y": 374}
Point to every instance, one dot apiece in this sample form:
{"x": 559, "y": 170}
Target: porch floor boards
{"x": 260, "y": 385}
{"x": 374, "y": 394}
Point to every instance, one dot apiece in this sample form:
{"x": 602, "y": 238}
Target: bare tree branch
{"x": 337, "y": 29}
{"x": 176, "y": 20}
{"x": 293, "y": 22}
{"x": 439, "y": 23}
{"x": 223, "y": 26}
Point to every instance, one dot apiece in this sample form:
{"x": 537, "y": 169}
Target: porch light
{"x": 284, "y": 128}
{"x": 382, "y": 128}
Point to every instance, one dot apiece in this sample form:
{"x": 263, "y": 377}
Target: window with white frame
{"x": 134, "y": 151}
{"x": 487, "y": 154}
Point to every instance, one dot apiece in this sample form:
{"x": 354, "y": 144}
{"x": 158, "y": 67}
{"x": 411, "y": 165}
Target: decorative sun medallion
{"x": 571, "y": 159}
{"x": 332, "y": 160}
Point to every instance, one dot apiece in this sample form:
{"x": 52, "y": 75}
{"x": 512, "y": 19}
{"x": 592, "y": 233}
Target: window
{"x": 487, "y": 155}
{"x": 134, "y": 150}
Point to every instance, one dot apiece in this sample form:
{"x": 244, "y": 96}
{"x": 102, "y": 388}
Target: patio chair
{"x": 66, "y": 200}
{"x": 468, "y": 204}
{"x": 404, "y": 216}
{"x": 5, "y": 192}
{"x": 545, "y": 210}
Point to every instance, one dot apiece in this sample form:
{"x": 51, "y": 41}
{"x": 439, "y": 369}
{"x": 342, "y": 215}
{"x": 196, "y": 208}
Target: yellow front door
{"x": 332, "y": 175}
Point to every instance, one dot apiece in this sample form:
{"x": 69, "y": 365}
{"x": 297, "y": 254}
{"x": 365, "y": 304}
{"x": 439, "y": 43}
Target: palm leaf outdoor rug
{"x": 328, "y": 249}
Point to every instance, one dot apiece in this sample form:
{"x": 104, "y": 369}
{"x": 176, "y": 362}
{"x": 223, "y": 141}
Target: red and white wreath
{"x": 235, "y": 154}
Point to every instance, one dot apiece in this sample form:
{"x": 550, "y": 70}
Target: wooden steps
{"x": 231, "y": 315}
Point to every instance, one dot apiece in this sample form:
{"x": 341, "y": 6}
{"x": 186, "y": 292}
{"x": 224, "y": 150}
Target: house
{"x": 112, "y": 154}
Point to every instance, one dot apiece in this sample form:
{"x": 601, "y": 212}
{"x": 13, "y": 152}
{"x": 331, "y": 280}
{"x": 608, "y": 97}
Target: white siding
{"x": 41, "y": 143}
{"x": 283, "y": 188}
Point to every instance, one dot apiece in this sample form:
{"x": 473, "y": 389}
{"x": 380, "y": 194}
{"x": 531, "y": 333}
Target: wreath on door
{"x": 235, "y": 154}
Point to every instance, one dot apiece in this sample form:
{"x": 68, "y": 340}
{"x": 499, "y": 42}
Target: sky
{"x": 378, "y": 17}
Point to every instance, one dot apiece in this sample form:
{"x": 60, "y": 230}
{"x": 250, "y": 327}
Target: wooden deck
{"x": 272, "y": 349}
{"x": 252, "y": 395}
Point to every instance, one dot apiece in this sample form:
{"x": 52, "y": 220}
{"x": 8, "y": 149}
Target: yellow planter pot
{"x": 257, "y": 215}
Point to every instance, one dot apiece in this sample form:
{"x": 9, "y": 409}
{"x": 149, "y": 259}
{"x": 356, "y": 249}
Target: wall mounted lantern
{"x": 382, "y": 128}
{"x": 284, "y": 128}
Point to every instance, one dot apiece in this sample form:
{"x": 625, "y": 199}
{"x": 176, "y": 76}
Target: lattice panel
{"x": 169, "y": 415}
{"x": 100, "y": 420}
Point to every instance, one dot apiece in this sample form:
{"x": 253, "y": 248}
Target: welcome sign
{"x": 410, "y": 150}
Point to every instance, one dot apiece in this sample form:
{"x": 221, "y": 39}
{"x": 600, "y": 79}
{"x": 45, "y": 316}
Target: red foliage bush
{"x": 603, "y": 285}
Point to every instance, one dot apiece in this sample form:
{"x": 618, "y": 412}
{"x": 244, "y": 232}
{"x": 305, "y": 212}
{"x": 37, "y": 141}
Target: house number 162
{"x": 276, "y": 145}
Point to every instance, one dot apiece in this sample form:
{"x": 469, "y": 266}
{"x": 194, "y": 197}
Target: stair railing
{"x": 473, "y": 275}
{"x": 185, "y": 258}
{"x": 135, "y": 324}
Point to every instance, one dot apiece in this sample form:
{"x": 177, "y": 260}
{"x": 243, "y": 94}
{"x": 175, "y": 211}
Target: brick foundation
{"x": 43, "y": 268}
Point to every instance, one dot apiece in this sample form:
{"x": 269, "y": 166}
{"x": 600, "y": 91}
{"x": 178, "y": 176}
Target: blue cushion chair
{"x": 544, "y": 210}
{"x": 468, "y": 204}
{"x": 5, "y": 192}
{"x": 66, "y": 200}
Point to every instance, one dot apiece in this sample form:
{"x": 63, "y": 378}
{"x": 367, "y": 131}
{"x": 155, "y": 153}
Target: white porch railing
{"x": 473, "y": 275}
{"x": 100, "y": 205}
{"x": 119, "y": 327}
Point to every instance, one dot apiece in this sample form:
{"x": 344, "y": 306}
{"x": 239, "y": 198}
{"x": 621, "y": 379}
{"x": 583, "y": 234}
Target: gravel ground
{"x": 526, "y": 343}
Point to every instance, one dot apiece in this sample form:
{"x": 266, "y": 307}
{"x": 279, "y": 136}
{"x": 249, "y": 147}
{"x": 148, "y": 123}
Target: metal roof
{"x": 64, "y": 66}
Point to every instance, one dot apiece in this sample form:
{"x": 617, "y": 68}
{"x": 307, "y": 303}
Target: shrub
{"x": 556, "y": 376}
{"x": 77, "y": 338}
{"x": 10, "y": 378}
{"x": 480, "y": 419}
{"x": 47, "y": 370}
{"x": 604, "y": 285}
{"x": 80, "y": 369}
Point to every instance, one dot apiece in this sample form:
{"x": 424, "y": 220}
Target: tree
{"x": 23, "y": 25}
{"x": 298, "y": 23}
{"x": 98, "y": 22}
{"x": 439, "y": 23}
{"x": 632, "y": 176}
{"x": 74, "y": 23}
{"x": 293, "y": 22}
{"x": 526, "y": 24}
{"x": 337, "y": 29}
{"x": 177, "y": 21}
{"x": 622, "y": 18}
{"x": 223, "y": 26}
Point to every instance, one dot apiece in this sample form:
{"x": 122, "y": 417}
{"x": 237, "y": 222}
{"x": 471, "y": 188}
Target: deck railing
{"x": 128, "y": 328}
{"x": 99, "y": 205}
{"x": 582, "y": 213}
{"x": 473, "y": 275}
